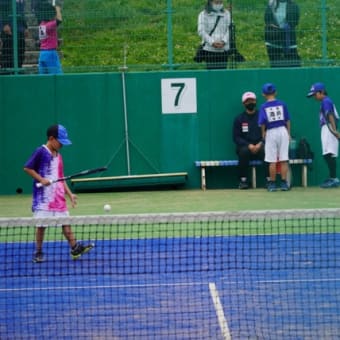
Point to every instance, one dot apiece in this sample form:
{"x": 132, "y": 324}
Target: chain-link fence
{"x": 142, "y": 35}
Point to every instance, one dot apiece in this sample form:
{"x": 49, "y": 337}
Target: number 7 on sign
{"x": 179, "y": 95}
{"x": 181, "y": 87}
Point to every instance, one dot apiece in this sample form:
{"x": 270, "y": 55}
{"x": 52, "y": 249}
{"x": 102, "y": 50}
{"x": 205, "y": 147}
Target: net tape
{"x": 251, "y": 215}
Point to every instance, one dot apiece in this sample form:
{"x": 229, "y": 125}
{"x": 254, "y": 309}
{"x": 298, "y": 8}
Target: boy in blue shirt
{"x": 329, "y": 135}
{"x": 45, "y": 164}
{"x": 274, "y": 120}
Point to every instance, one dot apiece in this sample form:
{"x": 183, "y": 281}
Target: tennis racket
{"x": 77, "y": 174}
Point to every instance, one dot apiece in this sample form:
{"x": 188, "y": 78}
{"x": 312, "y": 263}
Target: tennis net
{"x": 217, "y": 275}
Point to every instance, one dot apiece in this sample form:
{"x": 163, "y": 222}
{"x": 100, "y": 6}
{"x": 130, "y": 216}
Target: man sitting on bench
{"x": 247, "y": 137}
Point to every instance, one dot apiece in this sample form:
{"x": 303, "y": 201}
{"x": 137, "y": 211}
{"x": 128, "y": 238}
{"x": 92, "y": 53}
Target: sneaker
{"x": 243, "y": 185}
{"x": 38, "y": 257}
{"x": 80, "y": 249}
{"x": 284, "y": 186}
{"x": 330, "y": 183}
{"x": 271, "y": 186}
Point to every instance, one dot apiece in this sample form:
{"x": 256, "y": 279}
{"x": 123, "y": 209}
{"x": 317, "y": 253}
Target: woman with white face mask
{"x": 213, "y": 28}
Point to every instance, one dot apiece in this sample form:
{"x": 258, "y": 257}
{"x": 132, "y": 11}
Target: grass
{"x": 96, "y": 32}
{"x": 183, "y": 201}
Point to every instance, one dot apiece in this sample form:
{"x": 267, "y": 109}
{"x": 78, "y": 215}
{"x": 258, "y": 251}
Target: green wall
{"x": 91, "y": 107}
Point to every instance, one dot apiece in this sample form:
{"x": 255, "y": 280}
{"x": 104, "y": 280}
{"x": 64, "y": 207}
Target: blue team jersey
{"x": 52, "y": 197}
{"x": 327, "y": 107}
{"x": 273, "y": 114}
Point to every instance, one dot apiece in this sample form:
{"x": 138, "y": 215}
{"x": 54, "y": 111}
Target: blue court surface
{"x": 236, "y": 287}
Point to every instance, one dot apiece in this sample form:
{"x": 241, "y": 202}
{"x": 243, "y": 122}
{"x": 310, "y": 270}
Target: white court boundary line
{"x": 146, "y": 285}
{"x": 219, "y": 311}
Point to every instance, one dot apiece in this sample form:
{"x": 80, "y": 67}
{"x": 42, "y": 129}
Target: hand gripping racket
{"x": 77, "y": 174}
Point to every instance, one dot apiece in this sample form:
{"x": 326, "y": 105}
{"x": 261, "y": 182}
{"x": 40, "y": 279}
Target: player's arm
{"x": 288, "y": 127}
{"x": 37, "y": 177}
{"x": 58, "y": 14}
{"x": 263, "y": 131}
{"x": 72, "y": 197}
{"x": 332, "y": 125}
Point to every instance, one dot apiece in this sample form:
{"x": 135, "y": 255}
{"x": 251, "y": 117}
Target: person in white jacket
{"x": 213, "y": 28}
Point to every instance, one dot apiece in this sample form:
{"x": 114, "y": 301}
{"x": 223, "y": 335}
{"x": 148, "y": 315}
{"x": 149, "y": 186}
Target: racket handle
{"x": 39, "y": 185}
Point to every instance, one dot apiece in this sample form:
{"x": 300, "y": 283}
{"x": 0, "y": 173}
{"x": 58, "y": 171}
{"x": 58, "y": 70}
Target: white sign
{"x": 179, "y": 95}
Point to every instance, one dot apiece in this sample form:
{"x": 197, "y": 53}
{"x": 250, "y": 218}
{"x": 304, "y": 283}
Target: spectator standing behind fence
{"x": 213, "y": 28}
{"x": 281, "y": 18}
{"x": 6, "y": 26}
{"x": 247, "y": 137}
{"x": 49, "y": 62}
{"x": 274, "y": 120}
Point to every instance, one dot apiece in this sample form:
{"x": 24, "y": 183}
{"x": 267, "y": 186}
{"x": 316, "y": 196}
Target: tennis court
{"x": 213, "y": 276}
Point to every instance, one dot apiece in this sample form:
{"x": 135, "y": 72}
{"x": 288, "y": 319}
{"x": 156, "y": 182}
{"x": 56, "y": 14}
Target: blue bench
{"x": 255, "y": 163}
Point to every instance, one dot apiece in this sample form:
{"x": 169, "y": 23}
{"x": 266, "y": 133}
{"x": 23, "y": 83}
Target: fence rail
{"x": 143, "y": 35}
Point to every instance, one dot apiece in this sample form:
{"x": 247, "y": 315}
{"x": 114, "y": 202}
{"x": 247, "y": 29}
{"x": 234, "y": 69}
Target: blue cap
{"x": 60, "y": 133}
{"x": 317, "y": 87}
{"x": 268, "y": 88}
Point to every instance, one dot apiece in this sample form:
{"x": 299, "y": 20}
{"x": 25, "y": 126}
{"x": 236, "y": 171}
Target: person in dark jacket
{"x": 281, "y": 18}
{"x": 6, "y": 27}
{"x": 247, "y": 137}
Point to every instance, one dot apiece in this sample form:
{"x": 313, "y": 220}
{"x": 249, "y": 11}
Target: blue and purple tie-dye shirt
{"x": 52, "y": 197}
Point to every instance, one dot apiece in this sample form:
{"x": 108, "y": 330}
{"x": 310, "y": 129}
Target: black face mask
{"x": 250, "y": 106}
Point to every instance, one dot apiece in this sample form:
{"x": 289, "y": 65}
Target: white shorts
{"x": 329, "y": 143}
{"x": 277, "y": 145}
{"x": 41, "y": 214}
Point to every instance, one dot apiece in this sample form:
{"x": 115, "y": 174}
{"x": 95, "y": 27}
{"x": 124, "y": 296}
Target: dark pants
{"x": 216, "y": 60}
{"x": 7, "y": 54}
{"x": 279, "y": 57}
{"x": 244, "y": 156}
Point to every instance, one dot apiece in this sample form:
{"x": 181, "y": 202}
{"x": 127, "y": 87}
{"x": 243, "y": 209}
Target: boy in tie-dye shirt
{"x": 45, "y": 165}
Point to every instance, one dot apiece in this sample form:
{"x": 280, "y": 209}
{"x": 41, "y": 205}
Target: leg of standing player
{"x": 68, "y": 233}
{"x": 283, "y": 153}
{"x": 39, "y": 237}
{"x": 330, "y": 145}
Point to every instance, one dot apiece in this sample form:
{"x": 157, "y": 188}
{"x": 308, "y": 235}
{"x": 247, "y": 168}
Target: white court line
{"x": 282, "y": 281}
{"x": 160, "y": 284}
{"x": 219, "y": 311}
{"x": 299, "y": 280}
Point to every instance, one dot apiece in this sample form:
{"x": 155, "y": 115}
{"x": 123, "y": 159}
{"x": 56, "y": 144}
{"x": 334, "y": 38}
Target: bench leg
{"x": 304, "y": 175}
{"x": 203, "y": 178}
{"x": 253, "y": 175}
